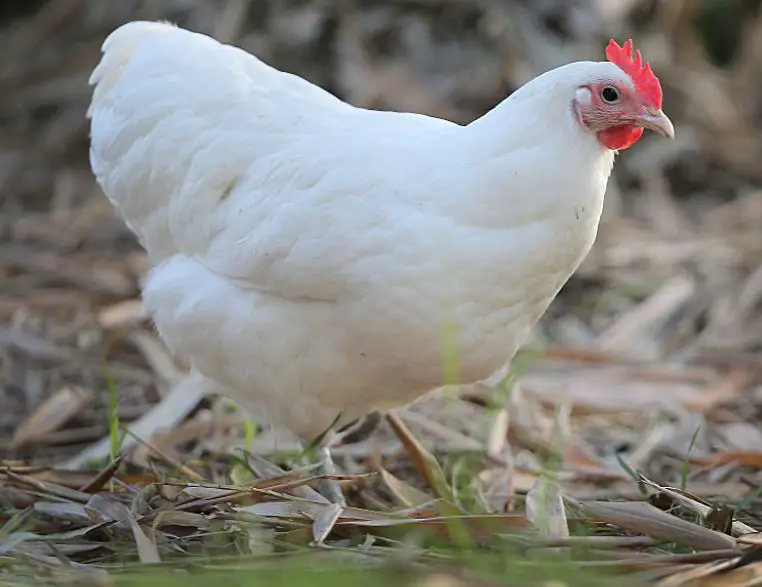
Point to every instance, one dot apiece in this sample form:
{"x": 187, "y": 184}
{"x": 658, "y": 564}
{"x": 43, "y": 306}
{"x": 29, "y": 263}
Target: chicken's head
{"x": 618, "y": 108}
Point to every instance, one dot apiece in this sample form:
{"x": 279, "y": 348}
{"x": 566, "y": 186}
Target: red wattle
{"x": 618, "y": 138}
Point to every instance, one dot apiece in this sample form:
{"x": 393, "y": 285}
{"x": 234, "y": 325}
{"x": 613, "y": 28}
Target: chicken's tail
{"x": 117, "y": 50}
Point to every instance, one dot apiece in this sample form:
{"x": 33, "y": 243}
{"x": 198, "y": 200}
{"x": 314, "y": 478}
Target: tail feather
{"x": 117, "y": 50}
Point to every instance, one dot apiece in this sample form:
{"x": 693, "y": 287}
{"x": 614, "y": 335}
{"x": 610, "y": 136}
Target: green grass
{"x": 116, "y": 435}
{"x": 685, "y": 469}
{"x": 339, "y": 568}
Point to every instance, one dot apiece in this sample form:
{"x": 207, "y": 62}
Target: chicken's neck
{"x": 525, "y": 162}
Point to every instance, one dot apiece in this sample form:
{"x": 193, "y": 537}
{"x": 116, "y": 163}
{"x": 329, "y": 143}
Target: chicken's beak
{"x": 658, "y": 122}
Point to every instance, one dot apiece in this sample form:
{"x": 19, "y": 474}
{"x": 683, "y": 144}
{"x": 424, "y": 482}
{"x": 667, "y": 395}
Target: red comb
{"x": 632, "y": 64}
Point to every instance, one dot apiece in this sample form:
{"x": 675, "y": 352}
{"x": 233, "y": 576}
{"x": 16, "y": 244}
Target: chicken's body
{"x": 318, "y": 259}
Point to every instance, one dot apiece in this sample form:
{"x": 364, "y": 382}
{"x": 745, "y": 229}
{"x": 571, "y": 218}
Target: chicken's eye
{"x": 610, "y": 95}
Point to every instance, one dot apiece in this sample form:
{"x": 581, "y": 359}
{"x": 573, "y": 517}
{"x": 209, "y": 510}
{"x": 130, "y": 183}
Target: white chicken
{"x": 318, "y": 261}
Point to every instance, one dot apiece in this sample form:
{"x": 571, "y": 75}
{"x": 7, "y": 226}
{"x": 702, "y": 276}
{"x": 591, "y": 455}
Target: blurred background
{"x": 665, "y": 316}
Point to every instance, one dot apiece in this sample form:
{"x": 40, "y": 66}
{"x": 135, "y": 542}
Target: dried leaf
{"x": 102, "y": 509}
{"x": 51, "y": 414}
{"x": 325, "y": 521}
{"x": 720, "y": 518}
{"x": 147, "y": 549}
{"x": 693, "y": 504}
{"x": 405, "y": 493}
{"x": 182, "y": 518}
{"x": 644, "y": 518}
{"x": 157, "y": 356}
{"x": 424, "y": 461}
{"x": 121, "y": 314}
{"x": 65, "y": 513}
{"x": 46, "y": 487}
{"x": 545, "y": 508}
{"x": 99, "y": 481}
{"x": 746, "y": 458}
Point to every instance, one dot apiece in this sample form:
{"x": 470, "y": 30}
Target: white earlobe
{"x": 584, "y": 96}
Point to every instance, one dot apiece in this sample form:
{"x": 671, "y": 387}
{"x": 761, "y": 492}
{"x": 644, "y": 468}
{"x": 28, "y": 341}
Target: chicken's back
{"x": 177, "y": 118}
{"x": 200, "y": 145}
